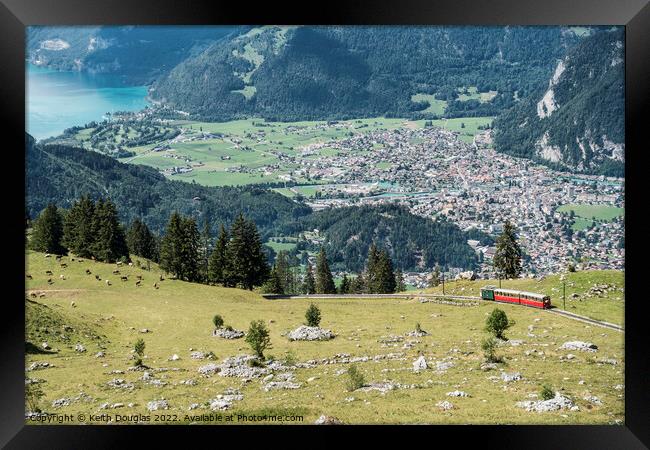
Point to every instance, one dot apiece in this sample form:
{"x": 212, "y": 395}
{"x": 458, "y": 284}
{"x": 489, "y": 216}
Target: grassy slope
{"x": 179, "y": 317}
{"x": 609, "y": 307}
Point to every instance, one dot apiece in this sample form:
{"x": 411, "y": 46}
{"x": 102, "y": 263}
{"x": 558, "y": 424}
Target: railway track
{"x": 567, "y": 314}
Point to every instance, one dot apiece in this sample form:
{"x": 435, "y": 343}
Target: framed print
{"x": 378, "y": 215}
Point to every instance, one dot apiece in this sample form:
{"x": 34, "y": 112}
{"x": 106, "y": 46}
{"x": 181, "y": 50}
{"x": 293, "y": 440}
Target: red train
{"x": 517, "y": 297}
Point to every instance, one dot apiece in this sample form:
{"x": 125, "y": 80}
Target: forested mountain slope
{"x": 330, "y": 72}
{"x": 576, "y": 118}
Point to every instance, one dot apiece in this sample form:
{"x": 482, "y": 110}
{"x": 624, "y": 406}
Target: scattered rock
{"x": 508, "y": 377}
{"x": 100, "y": 354}
{"x": 281, "y": 385}
{"x": 189, "y": 382}
{"x": 155, "y": 405}
{"x": 239, "y": 366}
{"x": 174, "y": 357}
{"x": 593, "y": 400}
{"x": 579, "y": 345}
{"x": 119, "y": 383}
{"x": 39, "y": 365}
{"x": 61, "y": 402}
{"x": 445, "y": 405}
{"x": 228, "y": 334}
{"x": 45, "y": 346}
{"x": 457, "y": 394}
{"x": 305, "y": 333}
{"x": 488, "y": 366}
{"x": 441, "y": 366}
{"x": 420, "y": 364}
{"x": 209, "y": 369}
{"x": 79, "y": 348}
{"x": 144, "y": 330}
{"x": 327, "y": 420}
{"x": 193, "y": 406}
{"x": 554, "y": 404}
{"x": 416, "y": 333}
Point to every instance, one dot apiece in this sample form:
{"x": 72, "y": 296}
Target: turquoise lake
{"x": 59, "y": 100}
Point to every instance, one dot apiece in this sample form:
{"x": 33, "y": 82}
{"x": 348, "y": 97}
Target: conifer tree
{"x": 435, "y": 277}
{"x": 371, "y": 283}
{"x": 344, "y": 288}
{"x": 309, "y": 285}
{"x": 507, "y": 258}
{"x": 399, "y": 281}
{"x": 79, "y": 227}
{"x": 384, "y": 275}
{"x": 324, "y": 281}
{"x": 47, "y": 232}
{"x": 141, "y": 241}
{"x": 247, "y": 266}
{"x": 218, "y": 257}
{"x": 205, "y": 249}
{"x": 190, "y": 243}
{"x": 170, "y": 254}
{"x": 109, "y": 242}
{"x": 274, "y": 283}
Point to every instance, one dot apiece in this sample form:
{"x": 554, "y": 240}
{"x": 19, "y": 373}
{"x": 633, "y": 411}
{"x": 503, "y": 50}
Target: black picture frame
{"x": 15, "y": 15}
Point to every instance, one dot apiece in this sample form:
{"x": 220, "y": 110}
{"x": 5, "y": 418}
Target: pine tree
{"x": 79, "y": 227}
{"x": 399, "y": 281}
{"x": 190, "y": 258}
{"x": 309, "y": 285}
{"x": 141, "y": 241}
{"x": 385, "y": 277}
{"x": 247, "y": 264}
{"x": 371, "y": 284}
{"x": 218, "y": 257}
{"x": 170, "y": 246}
{"x": 206, "y": 247}
{"x": 110, "y": 243}
{"x": 324, "y": 280}
{"x": 344, "y": 288}
{"x": 283, "y": 270}
{"x": 435, "y": 277}
{"x": 47, "y": 232}
{"x": 274, "y": 284}
{"x": 507, "y": 258}
{"x": 358, "y": 285}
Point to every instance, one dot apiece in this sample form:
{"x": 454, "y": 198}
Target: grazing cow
{"x": 155, "y": 285}
{"x": 49, "y": 281}
{"x": 71, "y": 259}
{"x": 130, "y": 264}
{"x": 138, "y": 283}
{"x": 64, "y": 265}
{"x": 81, "y": 260}
{"x": 139, "y": 277}
{"x": 124, "y": 278}
{"x": 88, "y": 272}
{"x": 116, "y": 272}
{"x": 62, "y": 276}
{"x": 161, "y": 278}
{"x": 47, "y": 255}
{"x": 41, "y": 295}
{"x": 58, "y": 257}
{"x": 119, "y": 263}
{"x": 29, "y": 276}
{"x": 33, "y": 294}
{"x": 98, "y": 278}
{"x": 48, "y": 272}
{"x": 73, "y": 304}
{"x": 108, "y": 282}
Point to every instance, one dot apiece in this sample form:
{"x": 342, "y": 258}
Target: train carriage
{"x": 517, "y": 297}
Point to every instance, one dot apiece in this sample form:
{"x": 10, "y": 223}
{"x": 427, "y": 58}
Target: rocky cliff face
{"x": 576, "y": 121}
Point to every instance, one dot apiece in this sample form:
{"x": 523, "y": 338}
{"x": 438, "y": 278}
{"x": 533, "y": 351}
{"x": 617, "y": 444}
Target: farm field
{"x": 585, "y": 214}
{"x": 253, "y": 151}
{"x": 178, "y": 315}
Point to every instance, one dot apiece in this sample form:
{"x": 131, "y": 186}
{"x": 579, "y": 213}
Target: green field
{"x": 585, "y": 214}
{"x": 474, "y": 94}
{"x": 437, "y": 107}
{"x": 178, "y": 317}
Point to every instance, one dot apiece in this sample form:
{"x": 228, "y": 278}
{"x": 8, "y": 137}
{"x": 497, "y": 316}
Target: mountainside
{"x": 138, "y": 53}
{"x": 329, "y": 72}
{"x": 413, "y": 242}
{"x": 575, "y": 120}
{"x": 61, "y": 174}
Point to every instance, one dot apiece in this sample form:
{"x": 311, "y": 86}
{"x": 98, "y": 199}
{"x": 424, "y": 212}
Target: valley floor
{"x": 177, "y": 319}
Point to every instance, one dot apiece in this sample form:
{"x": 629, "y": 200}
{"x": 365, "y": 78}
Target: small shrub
{"x": 571, "y": 267}
{"x": 229, "y": 328}
{"x": 217, "y": 320}
{"x": 313, "y": 315}
{"x": 290, "y": 359}
{"x": 255, "y": 363}
{"x": 546, "y": 393}
{"x": 355, "y": 379}
{"x": 139, "y": 350}
{"x": 33, "y": 394}
{"x": 258, "y": 337}
{"x": 418, "y": 328}
{"x": 497, "y": 322}
{"x": 488, "y": 345}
